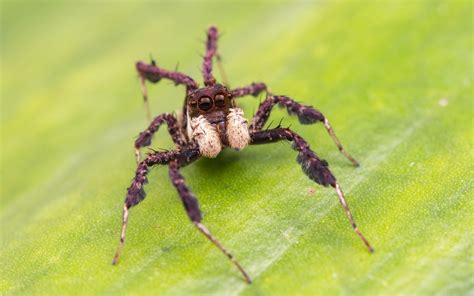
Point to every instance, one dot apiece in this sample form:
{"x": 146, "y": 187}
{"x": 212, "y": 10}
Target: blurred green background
{"x": 395, "y": 78}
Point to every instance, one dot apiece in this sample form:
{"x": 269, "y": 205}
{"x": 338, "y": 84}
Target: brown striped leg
{"x": 210, "y": 52}
{"x": 144, "y": 138}
{"x": 153, "y": 73}
{"x": 314, "y": 167}
{"x": 306, "y": 115}
{"x": 192, "y": 209}
{"x": 136, "y": 193}
{"x": 253, "y": 89}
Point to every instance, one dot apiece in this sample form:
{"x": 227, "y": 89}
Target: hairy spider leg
{"x": 306, "y": 115}
{"x": 210, "y": 52}
{"x": 192, "y": 209}
{"x": 154, "y": 74}
{"x": 253, "y": 89}
{"x": 314, "y": 167}
{"x": 136, "y": 193}
{"x": 145, "y": 137}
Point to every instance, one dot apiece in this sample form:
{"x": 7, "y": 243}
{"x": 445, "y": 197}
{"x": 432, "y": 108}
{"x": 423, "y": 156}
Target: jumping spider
{"x": 212, "y": 121}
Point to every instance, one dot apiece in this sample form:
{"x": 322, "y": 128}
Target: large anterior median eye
{"x": 205, "y": 103}
{"x": 219, "y": 100}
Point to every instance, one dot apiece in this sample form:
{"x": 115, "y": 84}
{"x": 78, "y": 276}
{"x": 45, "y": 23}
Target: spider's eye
{"x": 219, "y": 100}
{"x": 205, "y": 103}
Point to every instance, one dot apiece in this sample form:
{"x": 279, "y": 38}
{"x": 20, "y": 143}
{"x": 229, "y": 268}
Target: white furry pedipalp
{"x": 237, "y": 129}
{"x": 206, "y": 137}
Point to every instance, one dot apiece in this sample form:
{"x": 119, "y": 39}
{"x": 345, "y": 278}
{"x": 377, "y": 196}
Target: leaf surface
{"x": 394, "y": 78}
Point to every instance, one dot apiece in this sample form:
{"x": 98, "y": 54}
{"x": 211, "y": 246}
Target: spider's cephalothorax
{"x": 212, "y": 121}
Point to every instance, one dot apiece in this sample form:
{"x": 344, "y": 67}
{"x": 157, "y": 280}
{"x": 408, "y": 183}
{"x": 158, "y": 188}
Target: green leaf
{"x": 395, "y": 79}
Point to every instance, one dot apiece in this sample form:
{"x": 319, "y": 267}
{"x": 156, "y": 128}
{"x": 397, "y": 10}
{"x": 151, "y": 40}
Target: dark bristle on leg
{"x": 154, "y": 74}
{"x": 306, "y": 115}
{"x": 136, "y": 193}
{"x": 253, "y": 89}
{"x": 211, "y": 51}
{"x": 191, "y": 206}
{"x": 144, "y": 138}
{"x": 314, "y": 167}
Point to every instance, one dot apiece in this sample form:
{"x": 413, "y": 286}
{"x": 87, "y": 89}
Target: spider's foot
{"x": 137, "y": 155}
{"x": 248, "y": 280}
{"x": 115, "y": 261}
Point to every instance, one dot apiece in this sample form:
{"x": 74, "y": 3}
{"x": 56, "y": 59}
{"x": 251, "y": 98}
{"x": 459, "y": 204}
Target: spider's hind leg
{"x": 192, "y": 209}
{"x": 306, "y": 115}
{"x": 314, "y": 167}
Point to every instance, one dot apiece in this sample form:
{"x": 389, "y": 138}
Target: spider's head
{"x": 213, "y": 102}
{"x": 213, "y": 120}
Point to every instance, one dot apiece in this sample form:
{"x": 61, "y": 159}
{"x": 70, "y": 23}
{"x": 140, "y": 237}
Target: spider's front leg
{"x": 192, "y": 209}
{"x": 209, "y": 54}
{"x": 136, "y": 193}
{"x": 314, "y": 167}
{"x": 306, "y": 115}
{"x": 144, "y": 138}
{"x": 154, "y": 74}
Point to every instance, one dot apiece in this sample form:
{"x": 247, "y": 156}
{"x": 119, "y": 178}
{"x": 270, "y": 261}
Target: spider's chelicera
{"x": 212, "y": 121}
